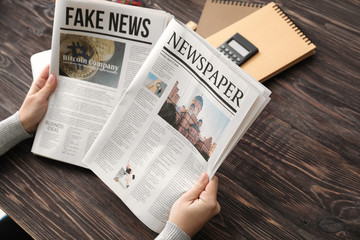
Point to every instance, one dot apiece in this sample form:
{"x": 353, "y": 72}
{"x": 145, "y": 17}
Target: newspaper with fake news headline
{"x": 97, "y": 48}
{"x": 183, "y": 113}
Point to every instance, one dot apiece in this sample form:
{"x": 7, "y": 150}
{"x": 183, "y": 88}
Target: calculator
{"x": 238, "y": 49}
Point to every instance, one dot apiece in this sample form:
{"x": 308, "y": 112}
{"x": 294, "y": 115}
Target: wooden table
{"x": 294, "y": 175}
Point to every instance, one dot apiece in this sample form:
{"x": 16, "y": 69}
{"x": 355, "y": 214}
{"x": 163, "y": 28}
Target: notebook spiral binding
{"x": 240, "y": 3}
{"x": 292, "y": 24}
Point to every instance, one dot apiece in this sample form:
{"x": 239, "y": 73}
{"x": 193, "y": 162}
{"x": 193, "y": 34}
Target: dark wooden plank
{"x": 294, "y": 175}
{"x": 64, "y": 201}
{"x": 26, "y": 29}
{"x": 319, "y": 87}
{"x": 304, "y": 185}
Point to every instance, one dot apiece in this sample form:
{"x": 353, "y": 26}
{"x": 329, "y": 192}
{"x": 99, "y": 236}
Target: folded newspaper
{"x": 97, "y": 48}
{"x": 179, "y": 114}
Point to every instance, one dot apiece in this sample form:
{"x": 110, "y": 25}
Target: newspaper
{"x": 97, "y": 48}
{"x": 185, "y": 110}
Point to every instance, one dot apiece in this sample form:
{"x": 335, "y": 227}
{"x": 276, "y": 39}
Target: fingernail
{"x": 203, "y": 177}
{"x": 51, "y": 78}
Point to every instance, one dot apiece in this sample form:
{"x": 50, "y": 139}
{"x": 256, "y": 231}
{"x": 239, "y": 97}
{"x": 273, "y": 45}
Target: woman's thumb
{"x": 199, "y": 187}
{"x": 48, "y": 88}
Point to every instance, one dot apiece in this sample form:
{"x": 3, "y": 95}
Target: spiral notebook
{"x": 280, "y": 42}
{"x": 217, "y": 15}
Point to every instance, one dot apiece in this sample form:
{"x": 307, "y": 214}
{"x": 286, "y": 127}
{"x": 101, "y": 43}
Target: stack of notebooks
{"x": 280, "y": 42}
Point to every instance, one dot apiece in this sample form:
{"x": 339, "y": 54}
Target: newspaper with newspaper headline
{"x": 182, "y": 114}
{"x": 97, "y": 49}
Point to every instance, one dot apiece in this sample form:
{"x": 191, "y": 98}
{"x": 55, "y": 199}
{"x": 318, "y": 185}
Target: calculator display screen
{"x": 240, "y": 49}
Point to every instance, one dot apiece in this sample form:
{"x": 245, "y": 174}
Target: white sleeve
{"x": 173, "y": 232}
{"x": 11, "y": 133}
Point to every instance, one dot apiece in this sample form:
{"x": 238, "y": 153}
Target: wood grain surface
{"x": 294, "y": 175}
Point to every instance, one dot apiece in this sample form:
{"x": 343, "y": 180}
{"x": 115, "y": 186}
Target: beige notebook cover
{"x": 280, "y": 42}
{"x": 217, "y": 15}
